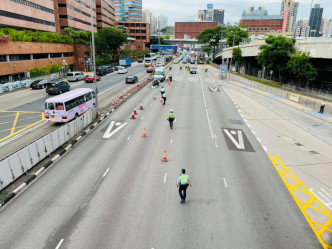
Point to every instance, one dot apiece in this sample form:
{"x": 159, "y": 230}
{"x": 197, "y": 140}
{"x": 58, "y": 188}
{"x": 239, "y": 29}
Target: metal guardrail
{"x": 316, "y": 93}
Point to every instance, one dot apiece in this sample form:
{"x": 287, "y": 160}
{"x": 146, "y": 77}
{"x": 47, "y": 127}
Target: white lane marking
{"x": 178, "y": 107}
{"x": 239, "y": 144}
{"x": 225, "y": 182}
{"x": 245, "y": 120}
{"x": 129, "y": 137}
{"x": 109, "y": 131}
{"x": 259, "y": 140}
{"x": 165, "y": 177}
{"x": 236, "y": 107}
{"x": 110, "y": 88}
{"x": 249, "y": 125}
{"x": 150, "y": 104}
{"x": 142, "y": 117}
{"x": 171, "y": 140}
{"x": 253, "y": 132}
{"x": 215, "y": 136}
{"x": 216, "y": 144}
{"x": 60, "y": 243}
{"x": 264, "y": 148}
{"x": 242, "y": 115}
{"x": 106, "y": 172}
{"x": 207, "y": 113}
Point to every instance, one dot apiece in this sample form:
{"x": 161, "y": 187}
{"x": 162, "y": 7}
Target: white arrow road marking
{"x": 213, "y": 89}
{"x": 109, "y": 131}
{"x": 239, "y": 144}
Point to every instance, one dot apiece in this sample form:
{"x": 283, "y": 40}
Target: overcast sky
{"x": 186, "y": 10}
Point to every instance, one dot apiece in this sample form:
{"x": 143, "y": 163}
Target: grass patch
{"x": 3, "y": 195}
{"x": 259, "y": 80}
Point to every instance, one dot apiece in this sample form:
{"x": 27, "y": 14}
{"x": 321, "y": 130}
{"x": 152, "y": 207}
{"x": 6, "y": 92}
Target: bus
{"x": 69, "y": 105}
{"x": 201, "y": 58}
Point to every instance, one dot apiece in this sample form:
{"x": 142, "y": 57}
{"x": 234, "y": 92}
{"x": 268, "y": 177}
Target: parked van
{"x": 160, "y": 73}
{"x": 75, "y": 76}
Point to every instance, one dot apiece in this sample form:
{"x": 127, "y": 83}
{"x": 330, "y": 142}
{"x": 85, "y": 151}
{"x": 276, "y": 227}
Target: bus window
{"x": 93, "y": 95}
{"x": 88, "y": 96}
{"x": 59, "y": 106}
{"x": 50, "y": 106}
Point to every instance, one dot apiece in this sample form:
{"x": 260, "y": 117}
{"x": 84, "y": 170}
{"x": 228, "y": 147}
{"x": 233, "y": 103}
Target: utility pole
{"x": 230, "y": 64}
{"x": 93, "y": 53}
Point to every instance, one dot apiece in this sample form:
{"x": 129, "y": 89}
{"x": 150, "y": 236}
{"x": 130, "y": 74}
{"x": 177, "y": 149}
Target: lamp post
{"x": 230, "y": 64}
{"x": 93, "y": 53}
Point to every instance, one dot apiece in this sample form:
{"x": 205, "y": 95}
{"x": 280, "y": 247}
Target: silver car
{"x": 75, "y": 76}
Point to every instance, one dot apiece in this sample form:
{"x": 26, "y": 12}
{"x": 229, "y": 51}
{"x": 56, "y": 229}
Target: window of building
{"x": 40, "y": 56}
{"x": 19, "y": 57}
{"x": 33, "y": 5}
{"x": 55, "y": 55}
{"x": 143, "y": 37}
{"x": 3, "y": 58}
{"x": 68, "y": 54}
{"x": 68, "y": 6}
{"x": 75, "y": 19}
{"x": 25, "y": 18}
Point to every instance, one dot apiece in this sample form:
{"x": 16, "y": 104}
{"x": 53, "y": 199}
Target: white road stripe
{"x": 225, "y": 182}
{"x": 253, "y": 132}
{"x": 264, "y": 148}
{"x": 129, "y": 137}
{"x": 165, "y": 177}
{"x": 60, "y": 243}
{"x": 259, "y": 140}
{"x": 216, "y": 144}
{"x": 142, "y": 117}
{"x": 178, "y": 107}
{"x": 171, "y": 140}
{"x": 106, "y": 172}
{"x": 245, "y": 120}
{"x": 215, "y": 136}
{"x": 249, "y": 125}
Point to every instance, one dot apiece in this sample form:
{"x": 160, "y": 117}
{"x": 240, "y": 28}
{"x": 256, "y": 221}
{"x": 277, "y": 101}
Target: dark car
{"x": 116, "y": 68}
{"x": 140, "y": 60}
{"x": 109, "y": 69}
{"x": 58, "y": 87}
{"x": 101, "y": 71}
{"x": 131, "y": 79}
{"x": 39, "y": 84}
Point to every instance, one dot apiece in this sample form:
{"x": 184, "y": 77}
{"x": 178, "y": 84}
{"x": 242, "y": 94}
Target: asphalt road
{"x": 115, "y": 192}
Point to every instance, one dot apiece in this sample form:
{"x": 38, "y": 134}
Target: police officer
{"x": 156, "y": 82}
{"x": 322, "y": 106}
{"x": 170, "y": 77}
{"x": 183, "y": 183}
{"x": 162, "y": 91}
{"x": 164, "y": 98}
{"x": 170, "y": 118}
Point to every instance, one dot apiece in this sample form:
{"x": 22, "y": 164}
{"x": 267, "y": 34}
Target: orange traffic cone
{"x": 133, "y": 116}
{"x": 144, "y": 134}
{"x": 154, "y": 97}
{"x": 169, "y": 83}
{"x": 141, "y": 106}
{"x": 121, "y": 96}
{"x": 161, "y": 100}
{"x": 135, "y": 112}
{"x": 164, "y": 157}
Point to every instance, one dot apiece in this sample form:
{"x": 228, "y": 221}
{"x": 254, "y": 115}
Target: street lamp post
{"x": 93, "y": 53}
{"x": 230, "y": 64}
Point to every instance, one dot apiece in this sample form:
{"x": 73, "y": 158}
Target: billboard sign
{"x": 165, "y": 47}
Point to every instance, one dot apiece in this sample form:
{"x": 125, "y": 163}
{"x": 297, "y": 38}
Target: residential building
{"x": 105, "y": 13}
{"x": 153, "y": 24}
{"x": 327, "y": 28}
{"x": 190, "y": 30}
{"x": 140, "y": 34}
{"x": 128, "y": 10}
{"x": 162, "y": 22}
{"x": 211, "y": 15}
{"x": 147, "y": 16}
{"x": 289, "y": 13}
{"x": 301, "y": 29}
{"x": 37, "y": 14}
{"x": 315, "y": 20}
{"x": 76, "y": 14}
{"x": 262, "y": 24}
{"x": 250, "y": 11}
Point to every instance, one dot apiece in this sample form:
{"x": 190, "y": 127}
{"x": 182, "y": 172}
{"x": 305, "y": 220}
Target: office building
{"x": 105, "y": 13}
{"x": 289, "y": 13}
{"x": 39, "y": 14}
{"x": 190, "y": 30}
{"x": 162, "y": 22}
{"x": 147, "y": 16}
{"x": 128, "y": 10}
{"x": 250, "y": 11}
{"x": 140, "y": 34}
{"x": 315, "y": 20}
{"x": 211, "y": 15}
{"x": 301, "y": 29}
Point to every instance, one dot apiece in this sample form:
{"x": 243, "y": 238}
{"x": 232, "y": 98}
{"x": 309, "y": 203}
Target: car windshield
{"x": 159, "y": 73}
{"x": 90, "y": 75}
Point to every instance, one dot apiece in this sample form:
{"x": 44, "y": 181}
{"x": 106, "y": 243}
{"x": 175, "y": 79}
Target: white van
{"x": 160, "y": 73}
{"x": 75, "y": 76}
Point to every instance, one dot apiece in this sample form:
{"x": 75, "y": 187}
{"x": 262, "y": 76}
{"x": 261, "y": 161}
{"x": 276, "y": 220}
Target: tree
{"x": 157, "y": 40}
{"x": 167, "y": 36}
{"x": 211, "y": 37}
{"x": 237, "y": 56}
{"x": 163, "y": 30}
{"x": 300, "y": 65}
{"x": 275, "y": 54}
{"x": 123, "y": 29}
{"x": 109, "y": 39}
{"x": 235, "y": 35}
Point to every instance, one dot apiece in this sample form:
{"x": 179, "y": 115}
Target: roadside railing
{"x": 316, "y": 93}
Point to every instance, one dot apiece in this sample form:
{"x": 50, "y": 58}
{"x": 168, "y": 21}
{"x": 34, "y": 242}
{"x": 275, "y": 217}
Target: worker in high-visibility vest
{"x": 322, "y": 106}
{"x": 170, "y": 118}
{"x": 182, "y": 184}
{"x": 164, "y": 97}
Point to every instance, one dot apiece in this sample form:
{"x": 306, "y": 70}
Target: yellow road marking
{"x": 18, "y": 111}
{"x": 7, "y": 115}
{"x": 27, "y": 127}
{"x": 307, "y": 207}
{"x": 20, "y": 120}
{"x": 15, "y": 122}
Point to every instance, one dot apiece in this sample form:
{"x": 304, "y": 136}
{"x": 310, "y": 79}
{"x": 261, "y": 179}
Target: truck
{"x": 125, "y": 62}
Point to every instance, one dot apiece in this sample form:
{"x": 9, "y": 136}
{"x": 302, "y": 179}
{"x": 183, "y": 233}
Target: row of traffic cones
{"x": 135, "y": 112}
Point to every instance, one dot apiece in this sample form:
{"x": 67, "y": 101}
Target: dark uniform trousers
{"x": 182, "y": 191}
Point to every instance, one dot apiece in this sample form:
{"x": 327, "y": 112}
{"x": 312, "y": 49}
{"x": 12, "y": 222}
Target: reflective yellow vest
{"x": 184, "y": 179}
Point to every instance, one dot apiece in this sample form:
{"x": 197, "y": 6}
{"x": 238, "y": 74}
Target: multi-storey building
{"x": 289, "y": 13}
{"x": 315, "y": 20}
{"x": 128, "y": 10}
{"x": 211, "y": 15}
{"x": 147, "y": 16}
{"x": 37, "y": 14}
{"x": 250, "y": 11}
{"x": 190, "y": 30}
{"x": 105, "y": 13}
{"x": 162, "y": 22}
{"x": 140, "y": 31}
{"x": 262, "y": 24}
{"x": 302, "y": 29}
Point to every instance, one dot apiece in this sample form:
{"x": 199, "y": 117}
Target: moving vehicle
{"x": 148, "y": 62}
{"x": 159, "y": 64}
{"x": 39, "y": 84}
{"x": 192, "y": 60}
{"x": 140, "y": 60}
{"x": 75, "y": 76}
{"x": 151, "y": 56}
{"x": 122, "y": 70}
{"x": 150, "y": 69}
{"x": 91, "y": 78}
{"x": 101, "y": 71}
{"x": 125, "y": 62}
{"x": 131, "y": 79}
{"x": 160, "y": 73}
{"x": 193, "y": 70}
{"x": 57, "y": 87}
{"x": 70, "y": 105}
{"x": 201, "y": 58}
{"x": 109, "y": 68}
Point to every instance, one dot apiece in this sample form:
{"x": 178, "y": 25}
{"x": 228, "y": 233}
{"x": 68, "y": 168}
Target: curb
{"x": 82, "y": 134}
